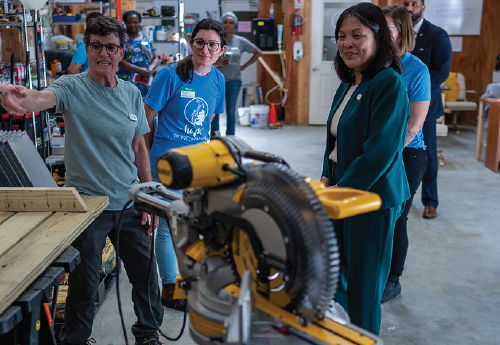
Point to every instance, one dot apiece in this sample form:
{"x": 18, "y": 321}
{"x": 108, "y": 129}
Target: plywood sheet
{"x": 23, "y": 262}
{"x": 17, "y": 227}
{"x": 41, "y": 199}
{"x": 5, "y": 215}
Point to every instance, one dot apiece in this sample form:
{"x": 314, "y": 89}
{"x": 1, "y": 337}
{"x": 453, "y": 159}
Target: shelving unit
{"x": 179, "y": 19}
{"x": 102, "y": 7}
{"x": 27, "y": 47}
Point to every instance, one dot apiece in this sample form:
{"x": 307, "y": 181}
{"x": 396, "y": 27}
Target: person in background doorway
{"x": 418, "y": 86}
{"x": 230, "y": 65}
{"x": 140, "y": 60}
{"x": 80, "y": 62}
{"x": 185, "y": 95}
{"x": 433, "y": 48}
{"x": 105, "y": 154}
{"x": 366, "y": 132}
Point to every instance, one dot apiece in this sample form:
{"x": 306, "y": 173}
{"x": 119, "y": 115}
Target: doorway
{"x": 324, "y": 81}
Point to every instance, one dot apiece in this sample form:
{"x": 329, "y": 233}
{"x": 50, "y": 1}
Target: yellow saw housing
{"x": 201, "y": 165}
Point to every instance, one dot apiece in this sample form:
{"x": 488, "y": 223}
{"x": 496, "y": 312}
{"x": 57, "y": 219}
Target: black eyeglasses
{"x": 199, "y": 43}
{"x": 96, "y": 47}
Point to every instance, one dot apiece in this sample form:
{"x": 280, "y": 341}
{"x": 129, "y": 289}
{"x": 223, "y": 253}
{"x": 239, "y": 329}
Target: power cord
{"x": 150, "y": 266}
{"x": 118, "y": 265}
{"x": 149, "y": 301}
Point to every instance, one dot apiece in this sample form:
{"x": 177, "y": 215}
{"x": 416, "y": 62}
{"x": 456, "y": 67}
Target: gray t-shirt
{"x": 101, "y": 123}
{"x": 235, "y": 48}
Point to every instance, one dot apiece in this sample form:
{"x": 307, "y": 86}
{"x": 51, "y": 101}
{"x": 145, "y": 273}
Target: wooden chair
{"x": 461, "y": 104}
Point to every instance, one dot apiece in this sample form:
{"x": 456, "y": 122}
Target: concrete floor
{"x": 450, "y": 289}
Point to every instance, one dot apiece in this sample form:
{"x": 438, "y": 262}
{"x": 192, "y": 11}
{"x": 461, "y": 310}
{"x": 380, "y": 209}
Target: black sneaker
{"x": 392, "y": 289}
{"x": 148, "y": 341}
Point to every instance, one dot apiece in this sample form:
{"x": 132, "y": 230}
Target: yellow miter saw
{"x": 255, "y": 244}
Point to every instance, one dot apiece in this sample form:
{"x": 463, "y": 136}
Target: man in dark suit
{"x": 434, "y": 49}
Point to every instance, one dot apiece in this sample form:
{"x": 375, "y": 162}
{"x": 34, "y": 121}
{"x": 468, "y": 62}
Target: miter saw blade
{"x": 295, "y": 232}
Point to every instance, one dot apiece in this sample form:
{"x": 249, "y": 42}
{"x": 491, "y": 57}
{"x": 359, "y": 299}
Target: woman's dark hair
{"x": 102, "y": 26}
{"x": 92, "y": 15}
{"x": 386, "y": 54}
{"x": 184, "y": 68}
{"x": 131, "y": 13}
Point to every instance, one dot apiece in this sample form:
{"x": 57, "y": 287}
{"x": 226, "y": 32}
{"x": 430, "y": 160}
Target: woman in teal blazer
{"x": 366, "y": 131}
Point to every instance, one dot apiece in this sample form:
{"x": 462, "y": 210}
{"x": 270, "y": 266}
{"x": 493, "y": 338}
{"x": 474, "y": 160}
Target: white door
{"x": 324, "y": 80}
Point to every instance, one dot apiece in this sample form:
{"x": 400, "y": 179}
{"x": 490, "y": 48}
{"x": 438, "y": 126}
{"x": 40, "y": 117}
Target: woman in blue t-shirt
{"x": 418, "y": 86}
{"x": 185, "y": 96}
{"x": 140, "y": 59}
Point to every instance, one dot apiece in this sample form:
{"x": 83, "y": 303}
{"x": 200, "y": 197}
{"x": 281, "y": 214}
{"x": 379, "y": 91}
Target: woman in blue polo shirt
{"x": 418, "y": 86}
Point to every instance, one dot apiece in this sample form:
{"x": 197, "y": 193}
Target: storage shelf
{"x": 95, "y": 4}
{"x": 6, "y": 25}
{"x": 159, "y": 17}
{"x": 80, "y": 22}
{"x": 166, "y": 41}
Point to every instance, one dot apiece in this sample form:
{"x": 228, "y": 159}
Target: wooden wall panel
{"x": 477, "y": 59}
{"x": 297, "y": 104}
{"x": 273, "y": 60}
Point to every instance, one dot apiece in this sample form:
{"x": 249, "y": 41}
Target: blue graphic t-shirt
{"x": 184, "y": 109}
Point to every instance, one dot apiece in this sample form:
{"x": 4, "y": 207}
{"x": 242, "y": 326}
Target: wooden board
{"x": 30, "y": 252}
{"x": 41, "y": 199}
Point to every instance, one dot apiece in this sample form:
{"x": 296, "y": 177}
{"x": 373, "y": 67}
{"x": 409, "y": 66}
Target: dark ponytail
{"x": 184, "y": 68}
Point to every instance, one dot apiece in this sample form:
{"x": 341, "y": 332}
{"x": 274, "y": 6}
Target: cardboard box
{"x": 108, "y": 258}
{"x": 57, "y": 144}
{"x": 13, "y": 43}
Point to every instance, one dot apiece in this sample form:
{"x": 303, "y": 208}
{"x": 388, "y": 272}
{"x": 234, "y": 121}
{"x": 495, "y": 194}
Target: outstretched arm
{"x": 17, "y": 99}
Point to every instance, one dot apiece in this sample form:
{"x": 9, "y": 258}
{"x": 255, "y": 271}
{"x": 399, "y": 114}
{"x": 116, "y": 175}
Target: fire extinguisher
{"x": 297, "y": 23}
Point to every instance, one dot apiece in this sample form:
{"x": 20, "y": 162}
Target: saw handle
{"x": 343, "y": 202}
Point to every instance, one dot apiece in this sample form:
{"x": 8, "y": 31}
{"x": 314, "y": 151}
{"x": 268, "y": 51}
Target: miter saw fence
{"x": 246, "y": 213}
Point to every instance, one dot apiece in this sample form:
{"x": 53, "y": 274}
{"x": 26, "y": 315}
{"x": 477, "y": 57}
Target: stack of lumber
{"x": 36, "y": 225}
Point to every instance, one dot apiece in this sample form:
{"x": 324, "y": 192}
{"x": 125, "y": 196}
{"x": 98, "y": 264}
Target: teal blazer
{"x": 371, "y": 136}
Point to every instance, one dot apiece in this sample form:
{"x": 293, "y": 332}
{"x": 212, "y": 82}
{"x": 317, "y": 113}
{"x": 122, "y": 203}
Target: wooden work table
{"x": 31, "y": 240}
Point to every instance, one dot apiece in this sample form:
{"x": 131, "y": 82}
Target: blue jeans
{"x": 165, "y": 251}
{"x": 232, "y": 90}
{"x": 415, "y": 161}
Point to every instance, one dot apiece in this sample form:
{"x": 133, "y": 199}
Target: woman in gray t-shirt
{"x": 230, "y": 65}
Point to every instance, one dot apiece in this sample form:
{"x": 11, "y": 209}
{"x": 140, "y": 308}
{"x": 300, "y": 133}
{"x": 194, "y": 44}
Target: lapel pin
{"x": 359, "y": 97}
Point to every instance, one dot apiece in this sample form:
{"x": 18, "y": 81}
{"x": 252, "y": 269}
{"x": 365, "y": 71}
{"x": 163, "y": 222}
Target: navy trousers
{"x": 429, "y": 181}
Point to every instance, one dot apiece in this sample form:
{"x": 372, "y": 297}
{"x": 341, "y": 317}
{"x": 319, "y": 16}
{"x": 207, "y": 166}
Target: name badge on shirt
{"x": 132, "y": 117}
{"x": 187, "y": 92}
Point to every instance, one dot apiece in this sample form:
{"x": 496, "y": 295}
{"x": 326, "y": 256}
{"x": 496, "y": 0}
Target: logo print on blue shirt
{"x": 196, "y": 111}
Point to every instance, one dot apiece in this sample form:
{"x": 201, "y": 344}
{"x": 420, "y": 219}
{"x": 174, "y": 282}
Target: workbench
{"x": 34, "y": 251}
